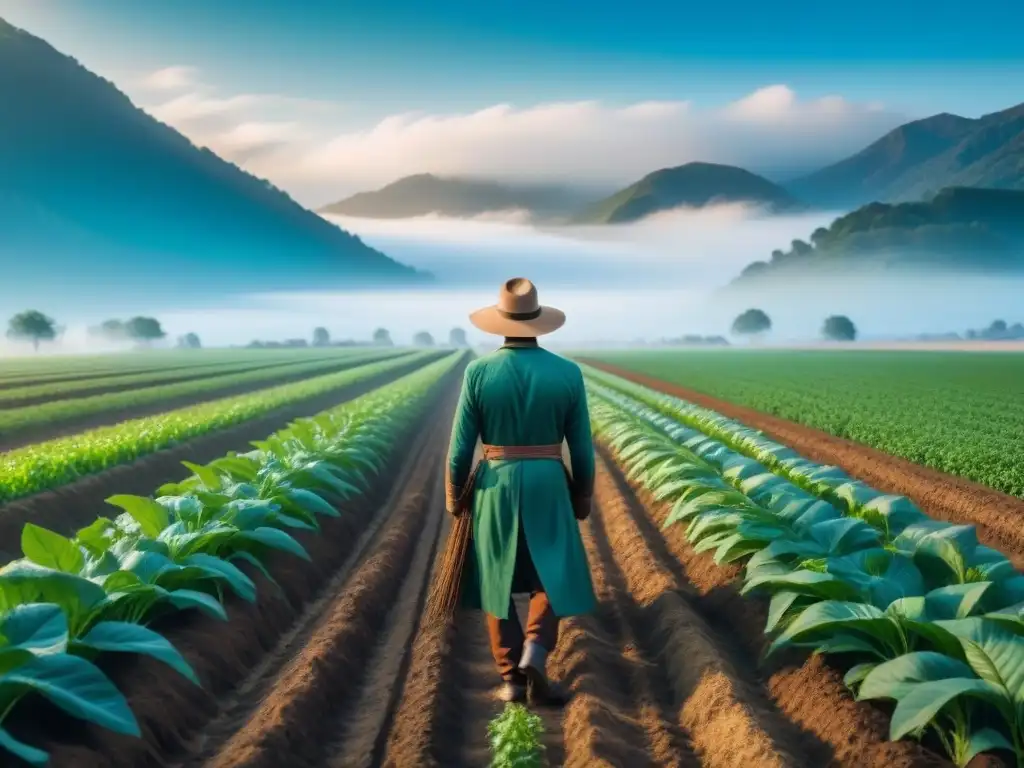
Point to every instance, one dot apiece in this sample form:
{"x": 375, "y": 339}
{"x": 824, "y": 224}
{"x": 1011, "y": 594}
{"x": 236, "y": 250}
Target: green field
{"x": 958, "y": 412}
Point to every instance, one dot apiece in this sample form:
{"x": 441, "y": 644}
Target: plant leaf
{"x": 151, "y": 516}
{"x": 51, "y": 550}
{"x": 76, "y": 686}
{"x": 124, "y": 637}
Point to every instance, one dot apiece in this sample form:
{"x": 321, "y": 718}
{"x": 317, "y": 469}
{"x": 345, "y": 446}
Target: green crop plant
{"x": 957, "y": 413}
{"x": 48, "y": 465}
{"x": 70, "y": 599}
{"x": 515, "y": 736}
{"x": 849, "y": 571}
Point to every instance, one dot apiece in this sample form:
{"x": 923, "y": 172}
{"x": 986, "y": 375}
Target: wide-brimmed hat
{"x": 518, "y": 312}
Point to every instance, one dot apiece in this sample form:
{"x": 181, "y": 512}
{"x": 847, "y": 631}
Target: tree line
{"x": 755, "y": 322}
{"x": 35, "y": 327}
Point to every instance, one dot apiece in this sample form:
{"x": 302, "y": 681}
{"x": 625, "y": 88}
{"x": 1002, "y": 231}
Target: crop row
{"x": 54, "y": 463}
{"x": 17, "y": 419}
{"x": 71, "y": 599}
{"x": 926, "y": 615}
{"x": 42, "y": 368}
{"x": 12, "y": 396}
{"x": 958, "y": 413}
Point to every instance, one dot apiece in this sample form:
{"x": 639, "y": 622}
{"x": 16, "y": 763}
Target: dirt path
{"x": 996, "y": 515}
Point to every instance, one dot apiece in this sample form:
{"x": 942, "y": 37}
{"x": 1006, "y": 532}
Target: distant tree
{"x": 1015, "y": 331}
{"x": 423, "y": 339}
{"x": 144, "y": 329}
{"x": 996, "y": 330}
{"x": 839, "y": 328}
{"x": 382, "y": 338}
{"x": 778, "y": 255}
{"x": 751, "y": 323}
{"x": 33, "y": 326}
{"x": 189, "y": 341}
{"x": 111, "y": 330}
{"x": 321, "y": 337}
{"x": 457, "y": 338}
{"x": 818, "y": 236}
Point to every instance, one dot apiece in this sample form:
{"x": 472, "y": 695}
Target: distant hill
{"x": 919, "y": 158}
{"x": 457, "y": 197}
{"x": 97, "y": 195}
{"x": 961, "y": 229}
{"x": 694, "y": 185}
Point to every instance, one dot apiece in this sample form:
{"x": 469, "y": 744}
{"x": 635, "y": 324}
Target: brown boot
{"x": 540, "y": 690}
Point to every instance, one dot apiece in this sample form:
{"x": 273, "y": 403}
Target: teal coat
{"x": 524, "y": 396}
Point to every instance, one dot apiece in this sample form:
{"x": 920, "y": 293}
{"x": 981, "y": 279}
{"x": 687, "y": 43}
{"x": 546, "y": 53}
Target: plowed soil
{"x": 997, "y": 516}
{"x": 345, "y": 674}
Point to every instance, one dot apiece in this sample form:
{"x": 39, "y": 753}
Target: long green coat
{"x": 512, "y": 397}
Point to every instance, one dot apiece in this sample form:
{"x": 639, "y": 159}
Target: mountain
{"x": 426, "y": 193}
{"x": 960, "y": 230}
{"x": 694, "y": 185}
{"x": 919, "y": 158}
{"x": 96, "y": 195}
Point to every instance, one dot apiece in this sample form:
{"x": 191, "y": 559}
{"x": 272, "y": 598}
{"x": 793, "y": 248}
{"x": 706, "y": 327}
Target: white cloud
{"x": 770, "y": 130}
{"x": 190, "y": 107}
{"x": 300, "y": 145}
{"x": 171, "y": 78}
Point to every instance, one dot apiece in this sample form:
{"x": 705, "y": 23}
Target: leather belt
{"x": 458, "y": 499}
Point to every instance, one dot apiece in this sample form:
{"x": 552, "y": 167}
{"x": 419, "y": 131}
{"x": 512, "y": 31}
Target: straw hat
{"x": 518, "y": 312}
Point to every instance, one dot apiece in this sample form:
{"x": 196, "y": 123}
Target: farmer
{"x": 519, "y": 506}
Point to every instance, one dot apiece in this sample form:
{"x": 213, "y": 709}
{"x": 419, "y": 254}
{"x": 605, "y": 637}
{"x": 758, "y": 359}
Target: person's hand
{"x": 581, "y": 506}
{"x": 454, "y": 502}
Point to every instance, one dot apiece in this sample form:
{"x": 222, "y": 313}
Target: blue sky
{"x": 317, "y": 77}
{"x": 409, "y": 53}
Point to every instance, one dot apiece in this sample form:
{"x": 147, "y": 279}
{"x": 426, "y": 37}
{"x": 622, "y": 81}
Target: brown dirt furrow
{"x": 468, "y": 699}
{"x": 308, "y": 690}
{"x": 362, "y": 733}
{"x": 996, "y": 515}
{"x": 728, "y": 716}
{"x": 410, "y": 738}
{"x": 232, "y": 657}
{"x": 235, "y": 710}
{"x": 805, "y": 689}
{"x": 77, "y": 504}
{"x": 297, "y": 716}
{"x": 72, "y": 425}
{"x": 621, "y": 712}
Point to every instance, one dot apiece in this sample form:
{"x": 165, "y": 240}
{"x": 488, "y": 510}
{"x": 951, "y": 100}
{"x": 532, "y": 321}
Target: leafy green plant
{"x": 848, "y": 570}
{"x": 70, "y": 599}
{"x": 515, "y": 738}
{"x": 50, "y": 464}
{"x": 944, "y": 692}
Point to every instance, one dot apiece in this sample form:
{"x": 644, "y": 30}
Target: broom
{"x": 447, "y": 588}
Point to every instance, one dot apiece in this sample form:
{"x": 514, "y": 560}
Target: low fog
{"x": 659, "y": 278}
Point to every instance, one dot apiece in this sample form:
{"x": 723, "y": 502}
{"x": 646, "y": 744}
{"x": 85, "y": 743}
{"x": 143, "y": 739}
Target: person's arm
{"x": 581, "y": 452}
{"x": 465, "y": 432}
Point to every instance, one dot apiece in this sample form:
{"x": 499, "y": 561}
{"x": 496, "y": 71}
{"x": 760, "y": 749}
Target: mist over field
{"x": 661, "y": 277}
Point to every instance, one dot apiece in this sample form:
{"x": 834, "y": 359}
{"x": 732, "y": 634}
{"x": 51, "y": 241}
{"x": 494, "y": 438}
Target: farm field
{"x": 956, "y": 413}
{"x": 722, "y": 560}
{"x": 37, "y": 412}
